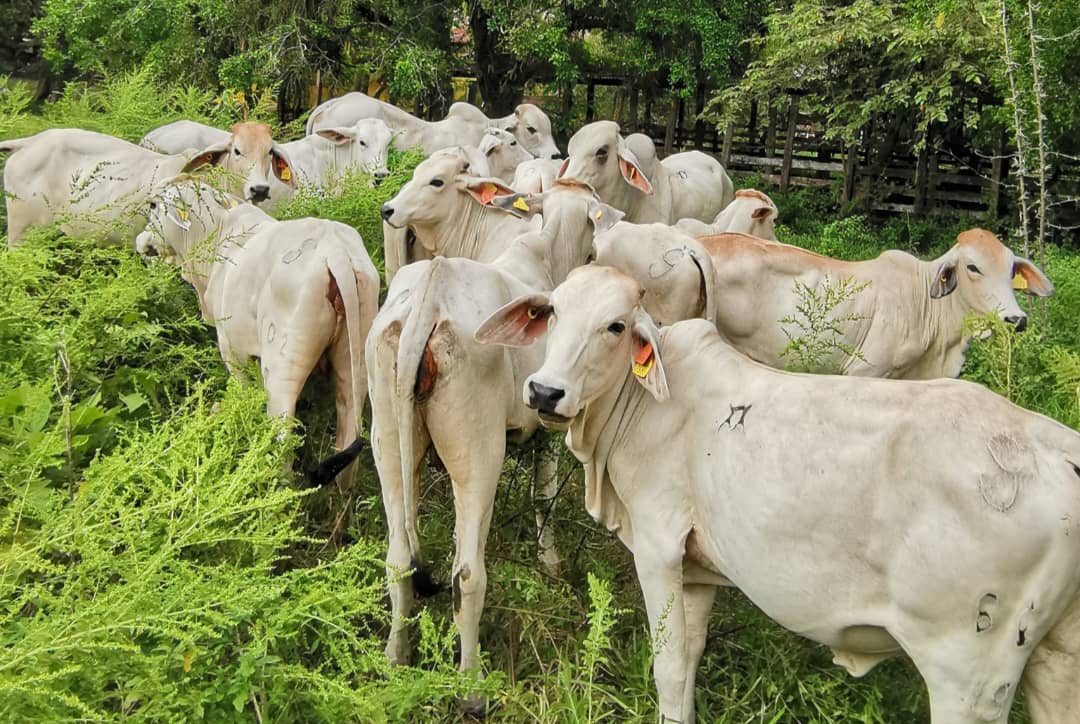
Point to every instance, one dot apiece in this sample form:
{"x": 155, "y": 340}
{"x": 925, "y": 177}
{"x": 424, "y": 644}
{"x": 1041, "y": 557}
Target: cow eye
{"x": 236, "y": 151}
{"x": 153, "y": 205}
{"x": 973, "y": 269}
{"x": 513, "y": 143}
{"x": 616, "y": 328}
{"x": 436, "y": 182}
{"x": 363, "y": 143}
{"x": 530, "y": 129}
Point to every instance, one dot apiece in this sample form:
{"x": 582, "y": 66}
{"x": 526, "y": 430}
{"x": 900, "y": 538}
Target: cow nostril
{"x": 387, "y": 212}
{"x": 1019, "y": 322}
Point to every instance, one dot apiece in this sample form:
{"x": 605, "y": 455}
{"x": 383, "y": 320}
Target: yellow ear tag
{"x": 286, "y": 174}
{"x": 183, "y": 214}
{"x": 1019, "y": 281}
{"x": 599, "y": 213}
{"x": 519, "y": 203}
{"x": 643, "y": 361}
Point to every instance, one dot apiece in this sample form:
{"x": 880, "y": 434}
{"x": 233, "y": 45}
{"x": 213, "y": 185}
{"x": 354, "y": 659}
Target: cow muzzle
{"x": 258, "y": 194}
{"x": 1018, "y": 322}
{"x": 544, "y": 399}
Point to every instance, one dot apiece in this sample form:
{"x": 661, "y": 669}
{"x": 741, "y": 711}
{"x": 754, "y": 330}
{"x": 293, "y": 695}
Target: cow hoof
{"x": 475, "y": 707}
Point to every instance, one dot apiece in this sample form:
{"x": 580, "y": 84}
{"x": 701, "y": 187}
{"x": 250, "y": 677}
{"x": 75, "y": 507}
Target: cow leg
{"x": 661, "y": 582}
{"x": 348, "y": 409}
{"x": 387, "y": 453}
{"x": 698, "y": 604}
{"x": 1050, "y": 679}
{"x": 545, "y": 488}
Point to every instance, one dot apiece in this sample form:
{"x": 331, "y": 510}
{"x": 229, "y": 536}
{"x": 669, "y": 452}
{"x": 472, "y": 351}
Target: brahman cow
{"x": 504, "y": 153}
{"x": 893, "y": 316}
{"x": 431, "y": 384}
{"x": 316, "y": 160}
{"x": 535, "y": 176}
{"x": 261, "y": 167}
{"x": 877, "y": 517}
{"x": 464, "y": 124}
{"x": 93, "y": 184}
{"x": 752, "y": 212}
{"x": 445, "y": 209}
{"x": 626, "y": 175}
{"x": 290, "y": 293}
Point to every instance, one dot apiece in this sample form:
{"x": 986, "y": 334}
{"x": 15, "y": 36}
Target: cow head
{"x": 180, "y": 212}
{"x": 532, "y": 128}
{"x": 674, "y": 271}
{"x": 250, "y": 154}
{"x": 982, "y": 273}
{"x": 441, "y": 187}
{"x": 503, "y": 151}
{"x": 752, "y": 212}
{"x": 600, "y": 157}
{"x": 366, "y": 142}
{"x": 597, "y": 333}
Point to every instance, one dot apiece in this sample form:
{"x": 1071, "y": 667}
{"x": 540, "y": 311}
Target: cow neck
{"x": 593, "y": 436}
{"x": 566, "y": 225}
{"x": 474, "y": 232}
{"x": 945, "y": 341}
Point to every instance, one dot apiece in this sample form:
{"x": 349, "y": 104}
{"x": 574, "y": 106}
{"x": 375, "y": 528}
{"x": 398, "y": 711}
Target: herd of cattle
{"x": 640, "y": 305}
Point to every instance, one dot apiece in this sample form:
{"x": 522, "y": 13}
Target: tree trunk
{"x": 499, "y": 76}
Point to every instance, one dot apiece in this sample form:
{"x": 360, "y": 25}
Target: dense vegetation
{"x": 160, "y": 558}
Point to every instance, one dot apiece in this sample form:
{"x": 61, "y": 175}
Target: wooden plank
{"x": 789, "y": 144}
{"x": 796, "y": 163}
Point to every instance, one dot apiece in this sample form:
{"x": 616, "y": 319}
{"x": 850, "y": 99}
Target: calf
{"x": 285, "y": 292}
{"x": 902, "y": 317}
{"x": 880, "y": 518}
{"x": 93, "y": 184}
{"x": 626, "y": 175}
{"x": 504, "y": 153}
{"x": 431, "y": 385}
{"x": 752, "y": 212}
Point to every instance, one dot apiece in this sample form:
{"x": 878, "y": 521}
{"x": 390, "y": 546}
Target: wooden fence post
{"x": 997, "y": 178}
{"x": 922, "y": 165}
{"x": 789, "y": 144}
{"x": 673, "y": 116}
{"x": 699, "y": 125}
{"x": 590, "y": 101}
{"x": 770, "y": 132}
{"x": 851, "y": 169}
{"x": 725, "y": 150}
{"x": 634, "y": 124}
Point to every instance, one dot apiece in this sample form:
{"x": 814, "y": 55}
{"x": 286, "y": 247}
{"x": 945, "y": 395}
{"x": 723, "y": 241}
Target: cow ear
{"x": 944, "y": 282}
{"x": 486, "y": 189}
{"x": 523, "y": 206}
{"x": 211, "y": 156}
{"x": 517, "y": 324}
{"x": 282, "y": 167}
{"x": 760, "y": 212}
{"x": 562, "y": 169}
{"x": 602, "y": 216}
{"x": 631, "y": 171}
{"x": 337, "y": 136}
{"x": 645, "y": 360}
{"x": 1030, "y": 279}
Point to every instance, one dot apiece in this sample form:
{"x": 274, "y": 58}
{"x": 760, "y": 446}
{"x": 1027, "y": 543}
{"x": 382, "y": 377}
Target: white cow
{"x": 286, "y": 292}
{"x": 93, "y": 184}
{"x": 445, "y": 207}
{"x": 504, "y": 153}
{"x": 752, "y": 212}
{"x": 464, "y": 124}
{"x": 626, "y": 175}
{"x": 880, "y": 518}
{"x": 902, "y": 318}
{"x": 431, "y": 384}
{"x": 535, "y": 176}
{"x": 260, "y": 166}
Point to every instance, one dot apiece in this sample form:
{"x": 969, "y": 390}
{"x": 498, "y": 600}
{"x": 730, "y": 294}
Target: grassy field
{"x": 158, "y": 562}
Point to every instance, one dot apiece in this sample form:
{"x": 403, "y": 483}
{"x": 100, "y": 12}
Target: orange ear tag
{"x": 1019, "y": 281}
{"x": 643, "y": 361}
{"x": 633, "y": 173}
{"x": 487, "y": 192}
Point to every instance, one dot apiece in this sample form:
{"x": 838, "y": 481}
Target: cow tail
{"x": 342, "y": 275}
{"x": 411, "y": 383}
